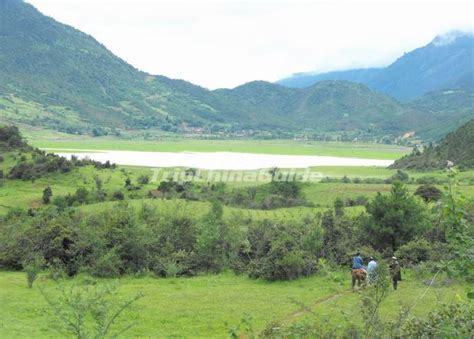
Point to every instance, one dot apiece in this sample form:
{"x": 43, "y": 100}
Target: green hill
{"x": 57, "y": 77}
{"x": 457, "y": 147}
{"x": 438, "y": 113}
{"x": 326, "y": 106}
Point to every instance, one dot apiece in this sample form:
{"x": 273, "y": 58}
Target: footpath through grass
{"x": 208, "y": 306}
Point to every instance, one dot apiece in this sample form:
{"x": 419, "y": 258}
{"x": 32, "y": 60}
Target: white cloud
{"x": 226, "y": 43}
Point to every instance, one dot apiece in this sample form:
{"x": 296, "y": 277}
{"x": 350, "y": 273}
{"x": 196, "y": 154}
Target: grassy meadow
{"x": 209, "y": 306}
{"x": 17, "y": 193}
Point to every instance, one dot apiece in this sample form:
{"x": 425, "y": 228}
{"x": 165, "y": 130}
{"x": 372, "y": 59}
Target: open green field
{"x": 208, "y": 306}
{"x": 27, "y": 194}
{"x": 290, "y": 147}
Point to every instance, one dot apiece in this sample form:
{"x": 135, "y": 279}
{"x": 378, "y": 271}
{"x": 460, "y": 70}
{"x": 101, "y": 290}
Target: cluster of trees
{"x": 275, "y": 194}
{"x": 398, "y": 176}
{"x": 174, "y": 241}
{"x": 37, "y": 164}
{"x": 10, "y": 138}
{"x": 32, "y": 163}
{"x": 167, "y": 242}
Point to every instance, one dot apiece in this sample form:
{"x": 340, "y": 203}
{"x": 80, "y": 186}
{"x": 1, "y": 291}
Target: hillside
{"x": 301, "y": 80}
{"x": 326, "y": 106}
{"x": 440, "y": 112}
{"x": 445, "y": 63}
{"x": 457, "y": 147}
{"x": 57, "y": 77}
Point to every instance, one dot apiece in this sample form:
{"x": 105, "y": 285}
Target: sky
{"x": 226, "y": 43}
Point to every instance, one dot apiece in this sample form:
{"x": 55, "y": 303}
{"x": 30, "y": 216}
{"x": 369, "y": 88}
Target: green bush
{"x": 108, "y": 265}
{"x": 428, "y": 193}
{"x": 447, "y": 321}
{"x": 414, "y": 252}
{"x": 280, "y": 252}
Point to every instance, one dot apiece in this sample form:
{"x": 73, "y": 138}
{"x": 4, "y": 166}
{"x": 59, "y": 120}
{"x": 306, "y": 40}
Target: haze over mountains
{"x": 447, "y": 62}
{"x": 55, "y": 76}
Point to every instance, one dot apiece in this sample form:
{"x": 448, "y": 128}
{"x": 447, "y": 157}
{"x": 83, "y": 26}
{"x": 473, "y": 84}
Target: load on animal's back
{"x": 359, "y": 272}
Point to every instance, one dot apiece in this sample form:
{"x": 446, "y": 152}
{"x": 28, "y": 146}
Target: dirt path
{"x": 307, "y": 308}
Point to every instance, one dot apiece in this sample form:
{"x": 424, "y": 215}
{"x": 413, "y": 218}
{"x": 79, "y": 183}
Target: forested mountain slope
{"x": 456, "y": 147}
{"x": 55, "y": 76}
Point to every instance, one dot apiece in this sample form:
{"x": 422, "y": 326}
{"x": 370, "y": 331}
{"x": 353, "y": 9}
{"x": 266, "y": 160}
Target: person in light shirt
{"x": 371, "y": 270}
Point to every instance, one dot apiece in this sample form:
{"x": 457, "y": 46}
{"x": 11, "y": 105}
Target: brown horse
{"x": 359, "y": 275}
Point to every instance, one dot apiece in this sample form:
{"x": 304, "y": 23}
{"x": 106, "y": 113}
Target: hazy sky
{"x": 228, "y": 42}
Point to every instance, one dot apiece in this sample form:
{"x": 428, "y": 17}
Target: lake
{"x": 218, "y": 160}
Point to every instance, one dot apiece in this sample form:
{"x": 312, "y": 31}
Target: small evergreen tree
{"x": 395, "y": 219}
{"x": 47, "y": 194}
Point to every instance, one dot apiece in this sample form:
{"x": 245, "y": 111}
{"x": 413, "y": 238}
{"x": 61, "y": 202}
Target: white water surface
{"x": 217, "y": 160}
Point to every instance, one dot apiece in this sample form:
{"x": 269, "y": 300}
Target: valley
{"x": 335, "y": 204}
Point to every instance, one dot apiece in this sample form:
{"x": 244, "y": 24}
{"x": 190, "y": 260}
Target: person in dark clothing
{"x": 395, "y": 272}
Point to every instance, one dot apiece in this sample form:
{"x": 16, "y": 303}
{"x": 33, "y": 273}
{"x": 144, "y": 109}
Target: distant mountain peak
{"x": 450, "y": 37}
{"x": 447, "y": 62}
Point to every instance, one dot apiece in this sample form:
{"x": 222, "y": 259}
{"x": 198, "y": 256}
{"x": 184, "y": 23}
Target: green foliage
{"x": 10, "y": 138}
{"x": 395, "y": 219}
{"x": 47, "y": 194}
{"x": 447, "y": 321}
{"x": 32, "y": 266}
{"x": 118, "y": 195}
{"x": 107, "y": 265}
{"x": 90, "y": 311}
{"x": 282, "y": 251}
{"x": 400, "y": 176}
{"x": 456, "y": 147}
{"x": 34, "y": 163}
{"x": 459, "y": 231}
{"x": 428, "y": 193}
{"x": 371, "y": 299}
{"x": 421, "y": 250}
{"x": 143, "y": 179}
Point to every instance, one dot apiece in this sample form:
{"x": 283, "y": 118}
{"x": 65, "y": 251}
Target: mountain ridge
{"x": 58, "y": 77}
{"x": 447, "y": 62}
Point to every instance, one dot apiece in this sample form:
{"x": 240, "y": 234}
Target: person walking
{"x": 395, "y": 272}
{"x": 372, "y": 270}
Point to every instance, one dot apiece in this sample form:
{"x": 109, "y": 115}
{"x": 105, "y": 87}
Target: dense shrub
{"x": 447, "y": 321}
{"x": 118, "y": 195}
{"x": 428, "y": 193}
{"x": 43, "y": 163}
{"x": 143, "y": 179}
{"x": 10, "y": 138}
{"x": 282, "y": 251}
{"x": 421, "y": 250}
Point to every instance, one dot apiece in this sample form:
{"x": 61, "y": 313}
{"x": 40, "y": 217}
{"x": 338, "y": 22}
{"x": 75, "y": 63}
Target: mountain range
{"x": 447, "y": 62}
{"x": 55, "y": 76}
